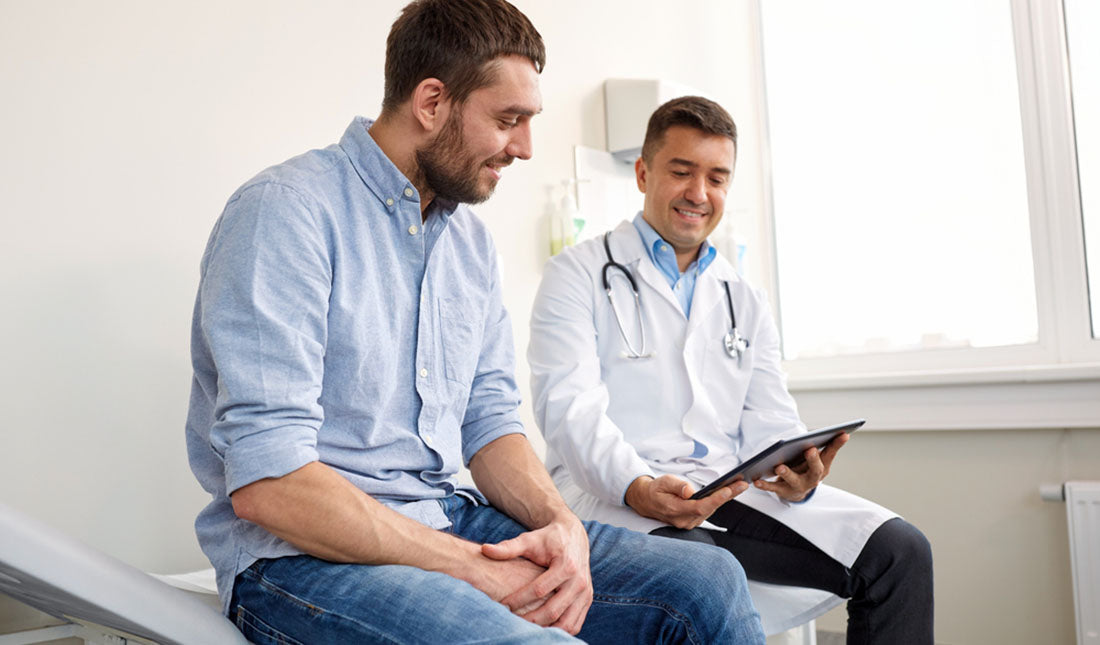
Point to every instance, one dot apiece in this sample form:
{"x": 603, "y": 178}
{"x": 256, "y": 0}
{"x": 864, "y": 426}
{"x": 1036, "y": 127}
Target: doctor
{"x": 644, "y": 396}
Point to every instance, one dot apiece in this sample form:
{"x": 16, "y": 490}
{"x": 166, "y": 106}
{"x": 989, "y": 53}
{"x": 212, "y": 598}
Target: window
{"x": 900, "y": 192}
{"x": 1082, "y": 28}
{"x": 923, "y": 193}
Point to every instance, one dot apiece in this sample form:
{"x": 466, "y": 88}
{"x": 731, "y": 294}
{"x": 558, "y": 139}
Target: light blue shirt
{"x": 333, "y": 324}
{"x": 663, "y": 257}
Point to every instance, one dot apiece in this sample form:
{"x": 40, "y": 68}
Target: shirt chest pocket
{"x": 461, "y": 339}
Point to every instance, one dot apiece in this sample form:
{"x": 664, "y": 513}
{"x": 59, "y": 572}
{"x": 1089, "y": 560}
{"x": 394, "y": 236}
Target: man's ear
{"x": 430, "y": 104}
{"x": 640, "y": 172}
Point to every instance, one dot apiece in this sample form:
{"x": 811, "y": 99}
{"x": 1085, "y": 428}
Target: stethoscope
{"x": 733, "y": 342}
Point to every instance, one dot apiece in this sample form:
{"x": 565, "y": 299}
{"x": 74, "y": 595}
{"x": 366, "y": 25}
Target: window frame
{"x": 1052, "y": 383}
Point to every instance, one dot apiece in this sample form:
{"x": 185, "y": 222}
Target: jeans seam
{"x": 271, "y": 586}
{"x": 246, "y": 617}
{"x": 689, "y": 626}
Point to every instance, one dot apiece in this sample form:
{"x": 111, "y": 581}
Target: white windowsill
{"x": 970, "y": 376}
{"x": 1024, "y": 397}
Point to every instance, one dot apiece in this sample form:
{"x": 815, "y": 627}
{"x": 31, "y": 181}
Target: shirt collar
{"x": 388, "y": 184}
{"x": 663, "y": 256}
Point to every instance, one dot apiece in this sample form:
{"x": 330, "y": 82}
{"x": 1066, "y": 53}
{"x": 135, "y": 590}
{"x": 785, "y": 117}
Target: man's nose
{"x": 520, "y": 144}
{"x": 696, "y": 191}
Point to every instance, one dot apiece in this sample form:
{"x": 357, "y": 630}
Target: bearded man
{"x": 351, "y": 352}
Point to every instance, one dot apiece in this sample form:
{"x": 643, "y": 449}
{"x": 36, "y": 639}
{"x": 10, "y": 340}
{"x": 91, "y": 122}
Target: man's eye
{"x": 680, "y": 173}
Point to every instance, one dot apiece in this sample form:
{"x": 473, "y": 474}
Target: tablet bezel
{"x": 788, "y": 451}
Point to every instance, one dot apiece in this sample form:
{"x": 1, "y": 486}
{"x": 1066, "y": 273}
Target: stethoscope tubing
{"x": 612, "y": 264}
{"x": 734, "y": 344}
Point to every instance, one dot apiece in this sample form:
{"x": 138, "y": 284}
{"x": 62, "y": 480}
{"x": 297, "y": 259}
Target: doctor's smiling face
{"x": 685, "y": 172}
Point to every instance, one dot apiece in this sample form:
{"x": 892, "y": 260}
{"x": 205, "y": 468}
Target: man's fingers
{"x": 832, "y": 449}
{"x": 528, "y": 608}
{"x": 710, "y": 503}
{"x": 790, "y": 477}
{"x": 536, "y": 590}
{"x": 559, "y": 604}
{"x": 550, "y": 611}
{"x": 506, "y": 550}
{"x": 573, "y": 619}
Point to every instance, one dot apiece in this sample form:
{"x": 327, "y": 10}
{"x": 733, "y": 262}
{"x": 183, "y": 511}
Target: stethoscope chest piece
{"x": 735, "y": 344}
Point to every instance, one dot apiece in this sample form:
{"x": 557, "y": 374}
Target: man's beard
{"x": 448, "y": 170}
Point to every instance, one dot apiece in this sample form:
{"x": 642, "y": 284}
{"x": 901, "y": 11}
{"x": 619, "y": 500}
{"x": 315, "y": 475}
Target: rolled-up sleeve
{"x": 264, "y": 299}
{"x": 493, "y": 408}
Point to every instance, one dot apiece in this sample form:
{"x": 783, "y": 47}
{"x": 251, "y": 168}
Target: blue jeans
{"x": 647, "y": 590}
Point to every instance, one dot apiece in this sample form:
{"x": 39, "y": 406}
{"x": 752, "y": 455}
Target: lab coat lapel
{"x": 710, "y": 295}
{"x": 634, "y": 256}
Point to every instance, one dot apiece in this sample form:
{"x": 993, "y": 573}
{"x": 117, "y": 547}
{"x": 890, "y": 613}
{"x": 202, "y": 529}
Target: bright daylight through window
{"x": 898, "y": 177}
{"x": 1082, "y": 27}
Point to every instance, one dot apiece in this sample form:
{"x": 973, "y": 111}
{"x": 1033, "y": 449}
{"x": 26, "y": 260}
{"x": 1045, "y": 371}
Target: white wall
{"x": 124, "y": 126}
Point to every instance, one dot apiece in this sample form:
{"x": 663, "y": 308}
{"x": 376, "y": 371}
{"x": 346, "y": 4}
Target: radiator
{"x": 1083, "y": 515}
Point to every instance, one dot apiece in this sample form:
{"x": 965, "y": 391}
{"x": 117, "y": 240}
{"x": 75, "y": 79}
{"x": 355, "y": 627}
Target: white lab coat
{"x": 609, "y": 419}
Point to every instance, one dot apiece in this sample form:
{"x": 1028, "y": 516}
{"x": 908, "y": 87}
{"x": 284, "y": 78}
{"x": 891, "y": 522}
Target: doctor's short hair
{"x": 457, "y": 42}
{"x": 693, "y": 112}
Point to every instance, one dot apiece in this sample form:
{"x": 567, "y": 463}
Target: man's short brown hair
{"x": 693, "y": 112}
{"x": 455, "y": 41}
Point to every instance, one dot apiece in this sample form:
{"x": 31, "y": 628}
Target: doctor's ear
{"x": 640, "y": 171}
{"x": 430, "y": 104}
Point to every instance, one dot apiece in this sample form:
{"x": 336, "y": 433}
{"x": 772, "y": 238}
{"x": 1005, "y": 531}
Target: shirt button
{"x": 389, "y": 201}
{"x": 664, "y": 248}
{"x": 423, "y": 371}
{"x": 408, "y": 192}
{"x": 413, "y": 229}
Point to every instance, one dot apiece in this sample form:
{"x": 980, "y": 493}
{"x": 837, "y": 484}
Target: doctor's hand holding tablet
{"x": 795, "y": 466}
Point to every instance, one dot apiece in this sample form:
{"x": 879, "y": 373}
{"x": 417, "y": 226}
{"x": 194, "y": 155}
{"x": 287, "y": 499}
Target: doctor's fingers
{"x": 712, "y": 502}
{"x": 816, "y": 466}
{"x": 798, "y": 484}
{"x": 832, "y": 449}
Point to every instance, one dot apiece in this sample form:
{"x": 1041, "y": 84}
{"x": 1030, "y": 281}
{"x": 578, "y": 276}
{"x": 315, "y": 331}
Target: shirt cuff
{"x": 807, "y": 497}
{"x": 272, "y": 453}
{"x": 627, "y": 479}
{"x": 471, "y": 448}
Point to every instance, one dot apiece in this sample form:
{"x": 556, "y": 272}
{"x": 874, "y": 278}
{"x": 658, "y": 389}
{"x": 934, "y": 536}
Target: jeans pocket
{"x": 260, "y": 633}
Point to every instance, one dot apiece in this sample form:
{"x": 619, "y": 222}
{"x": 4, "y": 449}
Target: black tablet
{"x": 787, "y": 451}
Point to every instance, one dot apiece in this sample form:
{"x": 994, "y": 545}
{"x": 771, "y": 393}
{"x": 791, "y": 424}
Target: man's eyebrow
{"x": 691, "y": 164}
{"x": 520, "y": 110}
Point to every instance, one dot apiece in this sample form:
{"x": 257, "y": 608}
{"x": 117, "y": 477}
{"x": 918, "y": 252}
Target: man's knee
{"x": 897, "y": 551}
{"x": 909, "y": 545}
{"x": 714, "y": 586}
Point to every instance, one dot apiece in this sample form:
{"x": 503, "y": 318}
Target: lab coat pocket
{"x": 461, "y": 344}
{"x": 726, "y": 375}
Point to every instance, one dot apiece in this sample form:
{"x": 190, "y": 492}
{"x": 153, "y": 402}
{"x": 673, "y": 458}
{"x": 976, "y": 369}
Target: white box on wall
{"x": 628, "y": 103}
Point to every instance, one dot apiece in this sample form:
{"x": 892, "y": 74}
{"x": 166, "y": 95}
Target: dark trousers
{"x": 889, "y": 586}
